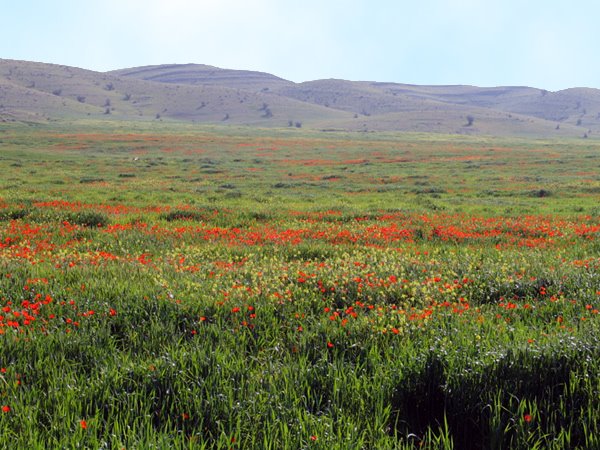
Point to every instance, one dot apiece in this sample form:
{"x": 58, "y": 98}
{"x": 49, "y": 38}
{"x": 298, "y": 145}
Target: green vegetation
{"x": 183, "y": 287}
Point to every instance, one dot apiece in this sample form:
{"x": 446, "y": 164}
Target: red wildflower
{"x": 527, "y": 418}
{"x": 83, "y": 424}
{"x": 5, "y": 409}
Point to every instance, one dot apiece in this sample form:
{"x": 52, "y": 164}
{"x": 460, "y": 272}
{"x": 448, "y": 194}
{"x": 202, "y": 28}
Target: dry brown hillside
{"x": 200, "y": 74}
{"x": 37, "y": 92}
{"x": 47, "y": 91}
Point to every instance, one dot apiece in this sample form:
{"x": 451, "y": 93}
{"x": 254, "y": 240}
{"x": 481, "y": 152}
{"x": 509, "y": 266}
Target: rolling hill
{"x": 200, "y": 74}
{"x": 39, "y": 92}
{"x": 53, "y": 92}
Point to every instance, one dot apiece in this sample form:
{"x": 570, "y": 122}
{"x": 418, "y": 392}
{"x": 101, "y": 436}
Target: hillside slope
{"x": 37, "y": 92}
{"x": 47, "y": 91}
{"x": 577, "y": 107}
{"x": 200, "y": 74}
{"x": 576, "y": 111}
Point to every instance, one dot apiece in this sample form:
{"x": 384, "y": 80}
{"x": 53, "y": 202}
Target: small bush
{"x": 90, "y": 219}
{"x": 13, "y": 214}
{"x": 182, "y": 214}
{"x": 87, "y": 180}
{"x": 540, "y": 193}
{"x": 430, "y": 190}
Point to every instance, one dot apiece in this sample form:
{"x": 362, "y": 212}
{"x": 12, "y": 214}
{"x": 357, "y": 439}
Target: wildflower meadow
{"x": 196, "y": 288}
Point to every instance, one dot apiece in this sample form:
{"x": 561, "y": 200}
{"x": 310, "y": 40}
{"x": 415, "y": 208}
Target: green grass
{"x": 372, "y": 291}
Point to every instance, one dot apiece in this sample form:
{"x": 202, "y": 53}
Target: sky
{"x": 546, "y": 44}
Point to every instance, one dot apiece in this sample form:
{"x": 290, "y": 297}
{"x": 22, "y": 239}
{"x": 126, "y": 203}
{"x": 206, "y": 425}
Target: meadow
{"x": 189, "y": 287}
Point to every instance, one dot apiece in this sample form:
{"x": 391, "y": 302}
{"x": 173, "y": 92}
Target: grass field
{"x": 195, "y": 287}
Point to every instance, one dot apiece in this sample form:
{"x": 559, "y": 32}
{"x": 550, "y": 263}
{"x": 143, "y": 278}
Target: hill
{"x": 200, "y": 74}
{"x": 37, "y": 92}
{"x": 514, "y": 107}
{"x": 49, "y": 92}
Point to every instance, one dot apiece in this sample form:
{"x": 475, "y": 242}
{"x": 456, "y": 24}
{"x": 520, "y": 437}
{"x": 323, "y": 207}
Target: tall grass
{"x": 150, "y": 322}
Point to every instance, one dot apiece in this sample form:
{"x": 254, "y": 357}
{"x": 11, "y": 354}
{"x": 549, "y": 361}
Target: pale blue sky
{"x": 547, "y": 44}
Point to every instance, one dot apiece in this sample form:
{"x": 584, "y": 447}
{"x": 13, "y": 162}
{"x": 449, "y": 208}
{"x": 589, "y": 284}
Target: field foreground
{"x": 177, "y": 288}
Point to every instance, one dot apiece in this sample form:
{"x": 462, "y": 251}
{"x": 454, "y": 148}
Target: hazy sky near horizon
{"x": 547, "y": 44}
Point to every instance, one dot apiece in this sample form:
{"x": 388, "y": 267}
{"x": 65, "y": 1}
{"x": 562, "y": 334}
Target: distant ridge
{"x": 39, "y": 92}
{"x": 199, "y": 74}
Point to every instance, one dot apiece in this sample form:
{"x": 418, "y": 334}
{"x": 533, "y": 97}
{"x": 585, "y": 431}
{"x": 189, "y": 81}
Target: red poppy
{"x": 83, "y": 424}
{"x": 5, "y": 409}
{"x": 527, "y": 418}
